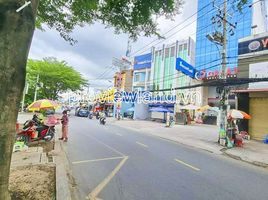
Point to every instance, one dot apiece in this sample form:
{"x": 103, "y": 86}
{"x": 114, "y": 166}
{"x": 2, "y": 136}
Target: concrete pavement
{"x": 111, "y": 162}
{"x": 200, "y": 136}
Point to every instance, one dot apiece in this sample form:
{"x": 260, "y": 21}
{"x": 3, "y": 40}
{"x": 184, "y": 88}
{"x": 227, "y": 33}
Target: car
{"x": 82, "y": 112}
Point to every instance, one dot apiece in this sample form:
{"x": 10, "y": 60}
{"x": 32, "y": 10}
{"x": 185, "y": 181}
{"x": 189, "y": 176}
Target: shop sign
{"x": 254, "y": 45}
{"x": 203, "y": 75}
{"x": 184, "y": 67}
{"x": 142, "y": 61}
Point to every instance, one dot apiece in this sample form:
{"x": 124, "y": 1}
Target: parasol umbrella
{"x": 203, "y": 108}
{"x": 160, "y": 109}
{"x": 238, "y": 114}
{"x": 43, "y": 104}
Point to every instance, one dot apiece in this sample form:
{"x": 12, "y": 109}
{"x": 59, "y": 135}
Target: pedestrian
{"x": 64, "y": 122}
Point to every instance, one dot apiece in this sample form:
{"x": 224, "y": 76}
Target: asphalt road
{"x": 113, "y": 163}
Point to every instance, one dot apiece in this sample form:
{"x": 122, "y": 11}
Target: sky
{"x": 92, "y": 55}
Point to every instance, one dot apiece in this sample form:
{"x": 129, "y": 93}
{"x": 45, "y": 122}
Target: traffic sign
{"x": 184, "y": 67}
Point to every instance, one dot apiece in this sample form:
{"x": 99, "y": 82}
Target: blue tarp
{"x": 160, "y": 109}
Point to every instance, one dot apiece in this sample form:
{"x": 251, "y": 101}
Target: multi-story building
{"x": 164, "y": 73}
{"x": 252, "y": 18}
{"x": 253, "y": 97}
{"x": 123, "y": 80}
{"x": 142, "y": 71}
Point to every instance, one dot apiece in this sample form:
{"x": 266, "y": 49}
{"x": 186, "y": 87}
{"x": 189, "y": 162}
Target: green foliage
{"x": 55, "y": 77}
{"x": 239, "y": 4}
{"x": 129, "y": 16}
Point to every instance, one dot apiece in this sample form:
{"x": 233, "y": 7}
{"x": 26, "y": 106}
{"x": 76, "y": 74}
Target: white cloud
{"x": 96, "y": 46}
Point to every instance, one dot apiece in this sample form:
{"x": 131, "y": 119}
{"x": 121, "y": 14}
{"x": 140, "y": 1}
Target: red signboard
{"x": 203, "y": 75}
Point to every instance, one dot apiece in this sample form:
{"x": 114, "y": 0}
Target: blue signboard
{"x": 184, "y": 67}
{"x": 142, "y": 61}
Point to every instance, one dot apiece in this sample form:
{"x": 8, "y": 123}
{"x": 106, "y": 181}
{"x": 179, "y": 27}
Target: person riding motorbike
{"x": 102, "y": 118}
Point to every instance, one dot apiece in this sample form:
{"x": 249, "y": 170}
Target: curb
{"x": 256, "y": 163}
{"x": 62, "y": 180}
{"x": 223, "y": 150}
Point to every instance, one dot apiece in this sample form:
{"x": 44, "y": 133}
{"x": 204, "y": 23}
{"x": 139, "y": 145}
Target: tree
{"x": 16, "y": 31}
{"x": 55, "y": 77}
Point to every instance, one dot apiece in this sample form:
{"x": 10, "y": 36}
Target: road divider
{"x": 187, "y": 165}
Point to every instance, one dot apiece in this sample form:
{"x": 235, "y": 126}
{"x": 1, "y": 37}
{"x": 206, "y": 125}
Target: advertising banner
{"x": 143, "y": 61}
{"x": 254, "y": 45}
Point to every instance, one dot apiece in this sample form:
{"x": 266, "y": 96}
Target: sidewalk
{"x": 36, "y": 156}
{"x": 199, "y": 136}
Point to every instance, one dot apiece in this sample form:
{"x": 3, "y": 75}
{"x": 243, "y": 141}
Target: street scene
{"x": 133, "y": 100}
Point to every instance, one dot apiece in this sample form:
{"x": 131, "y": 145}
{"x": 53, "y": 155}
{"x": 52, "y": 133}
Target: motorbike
{"x": 33, "y": 131}
{"x": 102, "y": 120}
{"x": 90, "y": 115}
{"x": 34, "y": 120}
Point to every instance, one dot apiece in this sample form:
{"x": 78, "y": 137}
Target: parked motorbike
{"x": 35, "y": 120}
{"x": 33, "y": 131}
{"x": 102, "y": 120}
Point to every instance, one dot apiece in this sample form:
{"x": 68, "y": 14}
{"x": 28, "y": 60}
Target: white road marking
{"x": 109, "y": 147}
{"x": 118, "y": 134}
{"x": 96, "y": 160}
{"x": 188, "y": 165}
{"x": 144, "y": 145}
{"x": 93, "y": 195}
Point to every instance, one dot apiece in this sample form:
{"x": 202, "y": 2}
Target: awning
{"x": 250, "y": 90}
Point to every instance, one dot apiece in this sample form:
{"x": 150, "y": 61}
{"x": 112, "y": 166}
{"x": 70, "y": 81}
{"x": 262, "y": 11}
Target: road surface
{"x": 113, "y": 163}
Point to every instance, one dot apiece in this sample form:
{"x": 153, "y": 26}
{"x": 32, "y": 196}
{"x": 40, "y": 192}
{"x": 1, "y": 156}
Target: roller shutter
{"x": 258, "y": 125}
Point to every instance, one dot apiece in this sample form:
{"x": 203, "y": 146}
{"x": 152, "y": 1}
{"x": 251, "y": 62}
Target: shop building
{"x": 166, "y": 75}
{"x": 142, "y": 72}
{"x": 123, "y": 81}
{"x": 252, "y": 20}
{"x": 253, "y": 97}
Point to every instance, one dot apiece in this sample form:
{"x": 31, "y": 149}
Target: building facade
{"x": 166, "y": 76}
{"x": 253, "y": 97}
{"x": 163, "y": 73}
{"x": 142, "y": 72}
{"x": 251, "y": 19}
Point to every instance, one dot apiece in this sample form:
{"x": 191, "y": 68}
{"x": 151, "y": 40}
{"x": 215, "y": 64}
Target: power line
{"x": 213, "y": 66}
{"x": 171, "y": 29}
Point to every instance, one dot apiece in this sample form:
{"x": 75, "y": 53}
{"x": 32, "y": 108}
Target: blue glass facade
{"x": 208, "y": 56}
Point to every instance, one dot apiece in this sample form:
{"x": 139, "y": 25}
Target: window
{"x": 137, "y": 77}
{"x": 148, "y": 75}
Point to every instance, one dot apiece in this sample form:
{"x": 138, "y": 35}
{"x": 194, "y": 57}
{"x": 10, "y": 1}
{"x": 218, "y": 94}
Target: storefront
{"x": 253, "y": 98}
{"x": 258, "y": 107}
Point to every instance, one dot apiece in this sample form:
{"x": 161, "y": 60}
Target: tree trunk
{"x": 16, "y": 31}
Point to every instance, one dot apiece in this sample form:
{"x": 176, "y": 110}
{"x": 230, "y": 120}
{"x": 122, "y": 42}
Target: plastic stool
{"x": 265, "y": 141}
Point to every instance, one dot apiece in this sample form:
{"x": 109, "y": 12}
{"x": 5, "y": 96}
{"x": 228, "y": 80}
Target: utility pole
{"x": 220, "y": 38}
{"x": 224, "y": 92}
{"x": 36, "y": 87}
{"x": 25, "y": 91}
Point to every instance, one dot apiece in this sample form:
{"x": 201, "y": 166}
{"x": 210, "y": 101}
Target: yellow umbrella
{"x": 43, "y": 104}
{"x": 203, "y": 108}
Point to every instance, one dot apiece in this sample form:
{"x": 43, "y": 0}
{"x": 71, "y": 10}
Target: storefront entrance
{"x": 258, "y": 125}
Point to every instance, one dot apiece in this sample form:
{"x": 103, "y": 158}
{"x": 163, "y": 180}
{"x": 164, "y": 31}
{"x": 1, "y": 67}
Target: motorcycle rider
{"x": 102, "y": 117}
